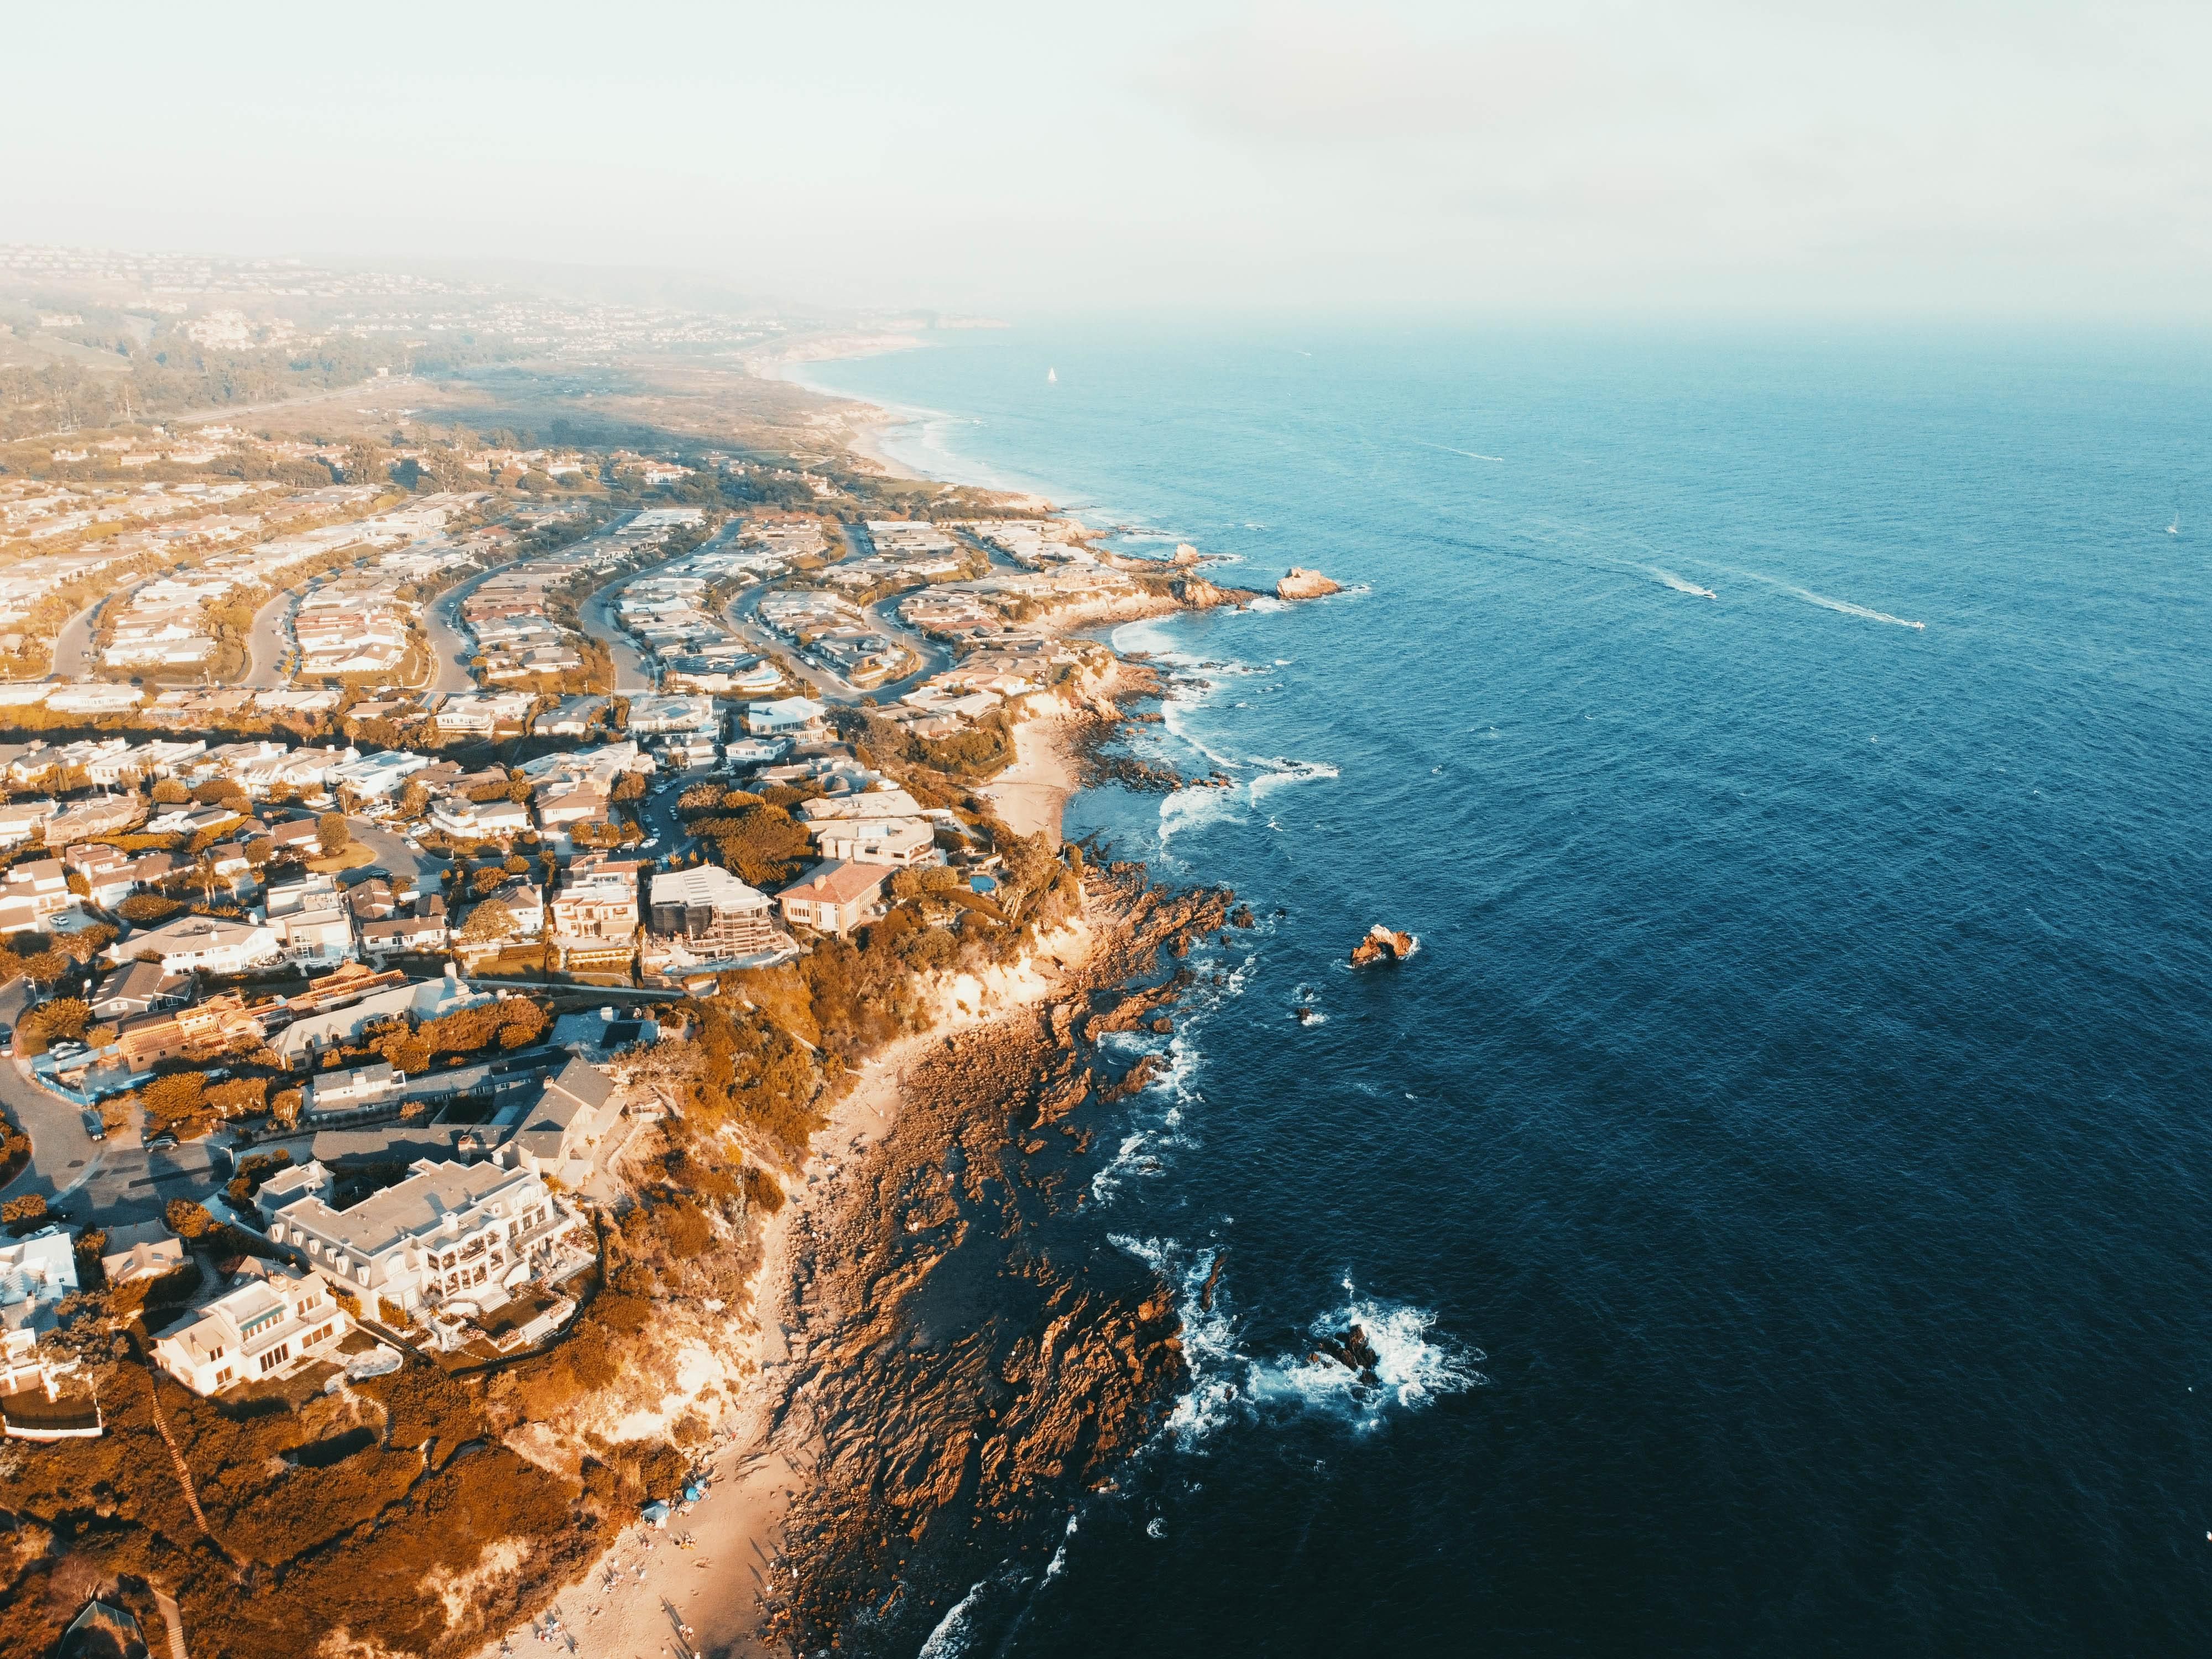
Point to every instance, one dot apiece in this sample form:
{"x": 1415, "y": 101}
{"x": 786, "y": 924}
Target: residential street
{"x": 269, "y": 643}
{"x": 633, "y": 676}
{"x": 62, "y": 1153}
{"x": 449, "y": 643}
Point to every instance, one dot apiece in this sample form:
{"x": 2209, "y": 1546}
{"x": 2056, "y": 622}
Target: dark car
{"x": 96, "y": 1125}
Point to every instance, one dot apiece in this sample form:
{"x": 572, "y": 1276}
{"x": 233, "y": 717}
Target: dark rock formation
{"x": 1354, "y": 1352}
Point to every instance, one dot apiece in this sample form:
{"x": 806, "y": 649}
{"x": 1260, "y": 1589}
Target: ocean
{"x": 1777, "y": 1186}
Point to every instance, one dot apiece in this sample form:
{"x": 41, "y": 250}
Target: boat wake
{"x": 1681, "y": 584}
{"x": 1844, "y": 607}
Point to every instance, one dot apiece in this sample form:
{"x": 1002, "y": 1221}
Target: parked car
{"x": 96, "y": 1125}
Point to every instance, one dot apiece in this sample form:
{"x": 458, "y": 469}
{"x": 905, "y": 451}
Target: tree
{"x": 188, "y": 1220}
{"x": 334, "y": 833}
{"x": 168, "y": 792}
{"x": 490, "y": 921}
{"x": 23, "y": 1215}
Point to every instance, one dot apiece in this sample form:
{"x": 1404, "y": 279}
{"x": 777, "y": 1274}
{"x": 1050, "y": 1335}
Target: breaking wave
{"x": 1414, "y": 1366}
{"x": 949, "y": 1638}
{"x": 1286, "y": 772}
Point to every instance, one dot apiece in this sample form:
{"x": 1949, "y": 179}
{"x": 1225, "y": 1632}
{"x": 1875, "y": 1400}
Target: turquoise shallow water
{"x": 1777, "y": 1186}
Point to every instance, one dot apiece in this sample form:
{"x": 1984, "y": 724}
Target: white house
{"x": 430, "y": 999}
{"x": 20, "y": 818}
{"x": 364, "y": 1085}
{"x": 449, "y": 1232}
{"x": 142, "y": 1249}
{"x": 375, "y": 776}
{"x": 786, "y": 714}
{"x": 691, "y": 713}
{"x": 320, "y": 937}
{"x": 560, "y": 1133}
{"x": 878, "y": 841}
{"x": 276, "y": 1320}
{"x": 209, "y": 943}
{"x": 35, "y": 1274}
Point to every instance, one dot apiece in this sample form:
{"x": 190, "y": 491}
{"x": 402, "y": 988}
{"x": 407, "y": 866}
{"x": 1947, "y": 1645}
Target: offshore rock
{"x": 1304, "y": 584}
{"x": 1354, "y": 1352}
{"x": 1384, "y": 945}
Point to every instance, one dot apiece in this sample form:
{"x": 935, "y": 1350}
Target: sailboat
{"x": 1051, "y": 377}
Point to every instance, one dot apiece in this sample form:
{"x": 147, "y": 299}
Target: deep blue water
{"x": 1779, "y": 1182}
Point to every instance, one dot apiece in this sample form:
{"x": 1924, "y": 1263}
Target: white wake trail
{"x": 1846, "y": 607}
{"x": 1681, "y": 584}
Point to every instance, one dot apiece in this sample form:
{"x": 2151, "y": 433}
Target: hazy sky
{"x": 1919, "y": 153}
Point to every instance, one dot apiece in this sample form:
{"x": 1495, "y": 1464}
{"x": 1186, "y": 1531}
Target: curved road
{"x": 73, "y": 644}
{"x": 449, "y": 645}
{"x": 633, "y": 674}
{"x": 270, "y": 644}
{"x": 935, "y": 658}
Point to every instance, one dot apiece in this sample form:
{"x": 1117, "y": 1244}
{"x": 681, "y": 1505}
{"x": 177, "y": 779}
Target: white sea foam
{"x": 1842, "y": 607}
{"x": 1174, "y": 1094}
{"x": 949, "y": 1638}
{"x": 1191, "y": 809}
{"x": 1414, "y": 1364}
{"x": 1287, "y": 772}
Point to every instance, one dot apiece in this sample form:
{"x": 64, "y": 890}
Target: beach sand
{"x": 1031, "y": 794}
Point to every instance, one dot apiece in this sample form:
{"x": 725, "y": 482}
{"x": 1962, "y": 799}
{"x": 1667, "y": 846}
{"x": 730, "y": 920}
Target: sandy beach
{"x": 1031, "y": 794}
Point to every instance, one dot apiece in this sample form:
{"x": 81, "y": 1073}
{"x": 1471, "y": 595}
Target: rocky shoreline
{"x": 962, "y": 1365}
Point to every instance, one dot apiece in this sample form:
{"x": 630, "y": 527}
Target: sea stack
{"x": 1304, "y": 584}
{"x": 1384, "y": 945}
